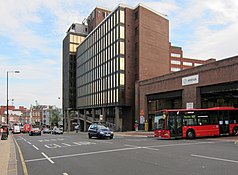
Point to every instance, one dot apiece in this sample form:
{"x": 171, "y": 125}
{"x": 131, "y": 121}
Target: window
{"x": 175, "y": 55}
{"x": 203, "y": 120}
{"x": 197, "y": 64}
{"x": 122, "y": 45}
{"x": 175, "y": 62}
{"x": 122, "y": 79}
{"x": 122, "y": 64}
{"x": 175, "y": 69}
{"x": 187, "y": 63}
{"x": 122, "y": 16}
{"x": 189, "y": 120}
{"x": 122, "y": 32}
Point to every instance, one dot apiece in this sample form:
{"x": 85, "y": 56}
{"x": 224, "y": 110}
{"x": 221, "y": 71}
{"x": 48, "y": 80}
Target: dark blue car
{"x": 99, "y": 131}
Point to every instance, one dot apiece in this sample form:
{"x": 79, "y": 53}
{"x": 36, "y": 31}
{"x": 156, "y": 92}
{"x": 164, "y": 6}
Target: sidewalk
{"x": 149, "y": 134}
{"x": 8, "y": 164}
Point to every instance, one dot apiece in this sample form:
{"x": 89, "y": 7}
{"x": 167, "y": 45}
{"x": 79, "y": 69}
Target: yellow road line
{"x": 25, "y": 172}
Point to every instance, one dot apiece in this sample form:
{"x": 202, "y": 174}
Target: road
{"x": 72, "y": 154}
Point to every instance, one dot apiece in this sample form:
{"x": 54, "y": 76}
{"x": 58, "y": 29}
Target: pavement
{"x": 8, "y": 161}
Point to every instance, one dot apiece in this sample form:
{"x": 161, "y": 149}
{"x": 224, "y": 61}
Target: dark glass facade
{"x": 101, "y": 65}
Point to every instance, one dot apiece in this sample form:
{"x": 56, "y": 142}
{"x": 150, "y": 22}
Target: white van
{"x": 16, "y": 129}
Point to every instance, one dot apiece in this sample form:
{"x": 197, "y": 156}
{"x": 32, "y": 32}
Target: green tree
{"x": 55, "y": 117}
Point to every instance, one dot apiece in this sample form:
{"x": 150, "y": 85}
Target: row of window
{"x": 87, "y": 74}
{"x": 100, "y": 62}
{"x": 102, "y": 84}
{"x": 177, "y": 62}
{"x": 102, "y": 98}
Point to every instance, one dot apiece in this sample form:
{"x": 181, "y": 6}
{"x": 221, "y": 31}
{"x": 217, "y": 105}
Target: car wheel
{"x": 111, "y": 137}
{"x": 89, "y": 136}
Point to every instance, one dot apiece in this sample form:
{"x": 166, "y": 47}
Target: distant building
{"x": 178, "y": 62}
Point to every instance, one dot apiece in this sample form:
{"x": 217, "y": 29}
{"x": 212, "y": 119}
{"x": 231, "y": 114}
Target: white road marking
{"x": 134, "y": 146}
{"x": 117, "y": 150}
{"x": 35, "y": 147}
{"x": 150, "y": 148}
{"x": 66, "y": 144}
{"x": 214, "y": 158}
{"x": 47, "y": 158}
{"x": 29, "y": 143}
{"x": 65, "y": 174}
{"x": 52, "y": 146}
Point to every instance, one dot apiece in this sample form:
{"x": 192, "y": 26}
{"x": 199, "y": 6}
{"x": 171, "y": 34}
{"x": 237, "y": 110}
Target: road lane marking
{"x": 65, "y": 174}
{"x": 214, "y": 158}
{"x": 117, "y": 150}
{"x": 35, "y": 147}
{"x": 52, "y": 146}
{"x": 134, "y": 146}
{"x": 154, "y": 149}
{"x": 66, "y": 144}
{"x": 47, "y": 158}
{"x": 25, "y": 172}
{"x": 29, "y": 143}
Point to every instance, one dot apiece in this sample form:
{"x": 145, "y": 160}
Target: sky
{"x": 31, "y": 34}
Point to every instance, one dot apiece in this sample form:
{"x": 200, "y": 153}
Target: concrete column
{"x": 104, "y": 115}
{"x": 68, "y": 120}
{"x": 65, "y": 120}
{"x": 85, "y": 123}
{"x": 117, "y": 119}
{"x": 93, "y": 114}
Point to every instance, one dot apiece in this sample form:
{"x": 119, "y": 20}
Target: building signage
{"x": 190, "y": 80}
{"x": 142, "y": 119}
{"x": 189, "y": 105}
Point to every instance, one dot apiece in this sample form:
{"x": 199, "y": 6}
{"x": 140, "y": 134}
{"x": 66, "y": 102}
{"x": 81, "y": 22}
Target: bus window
{"x": 189, "y": 120}
{"x": 159, "y": 122}
{"x": 233, "y": 117}
{"x": 213, "y": 117}
{"x": 203, "y": 120}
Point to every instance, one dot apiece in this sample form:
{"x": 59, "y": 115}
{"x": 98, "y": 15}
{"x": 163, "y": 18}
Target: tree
{"x": 55, "y": 117}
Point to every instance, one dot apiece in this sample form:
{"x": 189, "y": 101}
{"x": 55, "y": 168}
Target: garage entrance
{"x": 225, "y": 94}
{"x": 166, "y": 100}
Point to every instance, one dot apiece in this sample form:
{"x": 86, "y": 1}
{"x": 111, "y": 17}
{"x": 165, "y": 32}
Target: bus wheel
{"x": 235, "y": 131}
{"x": 190, "y": 134}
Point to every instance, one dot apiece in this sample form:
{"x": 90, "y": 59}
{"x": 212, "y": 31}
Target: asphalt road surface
{"x": 72, "y": 154}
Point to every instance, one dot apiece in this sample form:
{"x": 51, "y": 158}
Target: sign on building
{"x": 190, "y": 80}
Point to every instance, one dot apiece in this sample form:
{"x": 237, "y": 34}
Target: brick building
{"x": 119, "y": 48}
{"x": 211, "y": 85}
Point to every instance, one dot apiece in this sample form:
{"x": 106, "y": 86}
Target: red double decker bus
{"x": 191, "y": 123}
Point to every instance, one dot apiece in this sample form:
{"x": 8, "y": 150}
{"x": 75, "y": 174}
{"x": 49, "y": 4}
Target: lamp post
{"x": 7, "y": 92}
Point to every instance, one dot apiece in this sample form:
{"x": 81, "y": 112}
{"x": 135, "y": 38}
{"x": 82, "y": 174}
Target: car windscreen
{"x": 103, "y": 128}
{"x": 35, "y": 129}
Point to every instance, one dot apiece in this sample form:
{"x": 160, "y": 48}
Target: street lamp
{"x": 16, "y": 72}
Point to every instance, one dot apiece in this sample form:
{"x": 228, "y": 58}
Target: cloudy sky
{"x": 31, "y": 34}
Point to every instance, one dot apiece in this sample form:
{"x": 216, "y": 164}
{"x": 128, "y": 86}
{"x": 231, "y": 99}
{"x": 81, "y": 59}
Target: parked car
{"x": 46, "y": 131}
{"x": 57, "y": 131}
{"x": 99, "y": 131}
{"x": 35, "y": 131}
